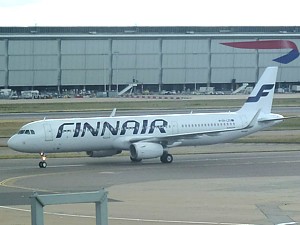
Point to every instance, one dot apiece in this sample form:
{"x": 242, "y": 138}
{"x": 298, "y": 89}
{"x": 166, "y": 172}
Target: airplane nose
{"x": 13, "y": 143}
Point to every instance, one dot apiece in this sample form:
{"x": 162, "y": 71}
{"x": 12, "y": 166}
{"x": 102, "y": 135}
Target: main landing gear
{"x": 43, "y": 163}
{"x": 166, "y": 157}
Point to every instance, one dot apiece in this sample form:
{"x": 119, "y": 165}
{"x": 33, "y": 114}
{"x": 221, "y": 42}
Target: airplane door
{"x": 48, "y": 132}
{"x": 174, "y": 127}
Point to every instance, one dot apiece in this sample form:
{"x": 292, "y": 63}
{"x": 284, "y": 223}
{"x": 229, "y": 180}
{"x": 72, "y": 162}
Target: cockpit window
{"x": 26, "y": 132}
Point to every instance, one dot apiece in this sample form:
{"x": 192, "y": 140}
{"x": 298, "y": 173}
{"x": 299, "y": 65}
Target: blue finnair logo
{"x": 263, "y": 92}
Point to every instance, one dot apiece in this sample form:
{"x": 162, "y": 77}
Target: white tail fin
{"x": 261, "y": 98}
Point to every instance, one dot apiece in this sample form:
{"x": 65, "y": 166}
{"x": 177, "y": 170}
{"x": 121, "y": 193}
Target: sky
{"x": 149, "y": 13}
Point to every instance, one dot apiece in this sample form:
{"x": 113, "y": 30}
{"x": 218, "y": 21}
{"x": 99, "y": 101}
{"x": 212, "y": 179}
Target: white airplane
{"x": 149, "y": 136}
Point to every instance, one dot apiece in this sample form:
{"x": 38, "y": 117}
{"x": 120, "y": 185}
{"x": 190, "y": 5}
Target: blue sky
{"x": 149, "y": 13}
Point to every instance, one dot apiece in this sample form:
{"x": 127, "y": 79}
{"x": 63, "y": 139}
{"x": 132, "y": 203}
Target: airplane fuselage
{"x": 105, "y": 133}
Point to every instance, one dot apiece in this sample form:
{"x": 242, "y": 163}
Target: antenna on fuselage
{"x": 113, "y": 113}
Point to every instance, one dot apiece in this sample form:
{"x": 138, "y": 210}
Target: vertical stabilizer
{"x": 261, "y": 98}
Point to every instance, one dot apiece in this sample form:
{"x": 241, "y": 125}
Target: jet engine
{"x": 103, "y": 153}
{"x": 145, "y": 150}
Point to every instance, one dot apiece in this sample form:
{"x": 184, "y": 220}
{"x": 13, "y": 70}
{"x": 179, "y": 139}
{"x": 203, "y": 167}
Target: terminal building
{"x": 155, "y": 58}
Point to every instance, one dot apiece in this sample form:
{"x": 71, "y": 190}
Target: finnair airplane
{"x": 149, "y": 136}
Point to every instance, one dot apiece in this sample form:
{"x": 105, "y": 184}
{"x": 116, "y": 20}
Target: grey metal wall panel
{"x": 147, "y": 46}
{"x": 123, "y": 76}
{"x": 45, "y": 47}
{"x": 148, "y": 76}
{"x": 197, "y": 76}
{"x": 97, "y": 62}
{"x": 2, "y": 48}
{"x": 289, "y": 75}
{"x": 97, "y": 47}
{"x": 181, "y": 76}
{"x": 147, "y": 61}
{"x": 20, "y": 62}
{"x": 45, "y": 62}
{"x": 73, "y": 77}
{"x": 73, "y": 62}
{"x": 2, "y": 63}
{"x": 197, "y": 61}
{"x": 173, "y": 76}
{"x": 233, "y": 60}
{"x": 20, "y": 78}
{"x": 97, "y": 77}
{"x": 72, "y": 47}
{"x": 145, "y": 76}
{"x": 45, "y": 78}
{"x": 2, "y": 78}
{"x": 174, "y": 61}
{"x": 225, "y": 75}
{"x": 20, "y": 47}
{"x": 124, "y": 61}
{"x": 197, "y": 46}
{"x": 124, "y": 46}
{"x": 173, "y": 46}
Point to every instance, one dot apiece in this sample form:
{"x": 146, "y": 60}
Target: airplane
{"x": 149, "y": 136}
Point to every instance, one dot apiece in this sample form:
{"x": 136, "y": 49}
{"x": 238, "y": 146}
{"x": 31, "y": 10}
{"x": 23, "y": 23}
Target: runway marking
{"x": 129, "y": 219}
{"x": 61, "y": 166}
{"x": 106, "y": 172}
{"x": 9, "y": 182}
{"x": 290, "y": 223}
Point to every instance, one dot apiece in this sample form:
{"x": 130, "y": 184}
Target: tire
{"x": 166, "y": 158}
{"x": 42, "y": 164}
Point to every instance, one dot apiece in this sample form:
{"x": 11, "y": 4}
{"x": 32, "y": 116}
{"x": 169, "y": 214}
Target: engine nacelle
{"x": 146, "y": 150}
{"x": 103, "y": 153}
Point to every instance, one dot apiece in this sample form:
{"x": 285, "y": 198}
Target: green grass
{"x": 162, "y": 104}
{"x": 16, "y": 107}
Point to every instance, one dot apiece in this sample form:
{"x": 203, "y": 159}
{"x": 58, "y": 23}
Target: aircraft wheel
{"x": 166, "y": 158}
{"x": 42, "y": 164}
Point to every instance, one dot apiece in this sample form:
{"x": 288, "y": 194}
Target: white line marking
{"x": 128, "y": 219}
{"x": 289, "y": 223}
{"x": 61, "y": 166}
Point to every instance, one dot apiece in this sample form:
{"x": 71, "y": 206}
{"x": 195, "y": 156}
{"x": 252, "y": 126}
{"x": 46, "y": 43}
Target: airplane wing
{"x": 173, "y": 137}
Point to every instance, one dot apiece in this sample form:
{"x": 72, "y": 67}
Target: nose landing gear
{"x": 43, "y": 163}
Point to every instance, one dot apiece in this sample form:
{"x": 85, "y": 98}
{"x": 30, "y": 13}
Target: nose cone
{"x": 14, "y": 143}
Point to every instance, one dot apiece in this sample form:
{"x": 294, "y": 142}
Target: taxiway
{"x": 232, "y": 188}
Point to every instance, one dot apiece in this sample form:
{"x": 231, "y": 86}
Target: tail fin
{"x": 261, "y": 97}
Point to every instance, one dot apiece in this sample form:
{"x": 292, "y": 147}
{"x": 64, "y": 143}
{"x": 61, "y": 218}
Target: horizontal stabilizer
{"x": 279, "y": 118}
